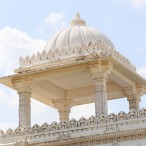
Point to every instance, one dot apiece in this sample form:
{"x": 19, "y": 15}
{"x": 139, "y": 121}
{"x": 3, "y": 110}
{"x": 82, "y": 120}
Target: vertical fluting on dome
{"x": 77, "y": 21}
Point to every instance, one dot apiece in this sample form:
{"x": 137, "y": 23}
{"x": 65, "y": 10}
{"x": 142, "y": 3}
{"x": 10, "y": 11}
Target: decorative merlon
{"x": 70, "y": 55}
{"x": 121, "y": 125}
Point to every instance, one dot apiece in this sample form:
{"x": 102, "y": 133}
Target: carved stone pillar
{"x": 100, "y": 94}
{"x": 133, "y": 97}
{"x": 134, "y": 101}
{"x": 100, "y": 75}
{"x": 64, "y": 114}
{"x": 24, "y": 92}
{"x": 24, "y": 108}
{"x": 63, "y": 108}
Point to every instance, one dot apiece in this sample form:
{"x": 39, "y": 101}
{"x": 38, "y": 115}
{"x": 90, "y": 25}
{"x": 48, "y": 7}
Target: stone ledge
{"x": 94, "y": 126}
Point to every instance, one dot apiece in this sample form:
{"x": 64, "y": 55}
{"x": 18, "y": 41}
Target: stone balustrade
{"x": 76, "y": 128}
{"x": 51, "y": 57}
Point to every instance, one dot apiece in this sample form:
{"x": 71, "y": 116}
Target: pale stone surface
{"x": 121, "y": 129}
{"x": 24, "y": 91}
{"x": 24, "y": 109}
{"x": 133, "y": 97}
{"x": 63, "y": 107}
{"x": 100, "y": 75}
{"x": 80, "y": 65}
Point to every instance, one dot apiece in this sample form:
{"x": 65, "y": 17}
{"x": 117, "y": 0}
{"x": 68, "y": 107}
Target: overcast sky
{"x": 26, "y": 26}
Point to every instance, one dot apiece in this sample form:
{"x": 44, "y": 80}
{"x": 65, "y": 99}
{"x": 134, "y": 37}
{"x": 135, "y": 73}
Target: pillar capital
{"x": 21, "y": 85}
{"x": 141, "y": 90}
{"x": 133, "y": 96}
{"x": 100, "y": 70}
{"x": 63, "y": 106}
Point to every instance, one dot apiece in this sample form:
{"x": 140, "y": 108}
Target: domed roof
{"x": 78, "y": 34}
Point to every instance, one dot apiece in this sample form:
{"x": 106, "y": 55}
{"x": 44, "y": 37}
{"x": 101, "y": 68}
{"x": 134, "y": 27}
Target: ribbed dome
{"x": 78, "y": 34}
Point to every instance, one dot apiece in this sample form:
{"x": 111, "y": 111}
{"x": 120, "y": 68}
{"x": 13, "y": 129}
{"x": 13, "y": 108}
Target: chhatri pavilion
{"x": 79, "y": 65}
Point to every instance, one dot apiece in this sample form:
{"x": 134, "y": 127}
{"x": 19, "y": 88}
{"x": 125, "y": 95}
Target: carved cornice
{"x": 70, "y": 55}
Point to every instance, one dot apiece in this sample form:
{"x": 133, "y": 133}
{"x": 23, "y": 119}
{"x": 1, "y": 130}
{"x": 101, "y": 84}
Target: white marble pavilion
{"x": 79, "y": 65}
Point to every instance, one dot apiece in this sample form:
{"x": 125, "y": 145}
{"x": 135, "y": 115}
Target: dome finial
{"x": 78, "y": 21}
{"x": 78, "y": 15}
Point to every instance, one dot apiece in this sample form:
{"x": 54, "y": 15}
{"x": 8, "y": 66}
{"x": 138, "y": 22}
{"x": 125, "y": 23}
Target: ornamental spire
{"x": 77, "y": 21}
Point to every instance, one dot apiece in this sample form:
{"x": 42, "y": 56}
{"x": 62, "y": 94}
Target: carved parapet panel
{"x": 44, "y": 55}
{"x": 33, "y": 59}
{"x": 18, "y": 131}
{"x": 63, "y": 125}
{"x": 27, "y": 60}
{"x": 112, "y": 117}
{"x": 36, "y": 128}
{"x": 38, "y": 56}
{"x": 63, "y": 136}
{"x": 27, "y": 130}
{"x": 76, "y": 50}
{"x": 50, "y": 55}
{"x": 82, "y": 122}
{"x": 63, "y": 52}
{"x": 132, "y": 114}
{"x": 54, "y": 126}
{"x": 73, "y": 123}
{"x": 102, "y": 119}
{"x": 92, "y": 120}
{"x": 45, "y": 127}
{"x": 142, "y": 113}
{"x": 10, "y": 132}
{"x": 122, "y": 116}
{"x": 90, "y": 48}
{"x": 57, "y": 54}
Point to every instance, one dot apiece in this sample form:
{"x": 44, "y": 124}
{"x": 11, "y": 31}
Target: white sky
{"x": 25, "y": 27}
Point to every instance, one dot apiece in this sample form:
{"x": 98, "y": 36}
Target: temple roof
{"x": 77, "y": 34}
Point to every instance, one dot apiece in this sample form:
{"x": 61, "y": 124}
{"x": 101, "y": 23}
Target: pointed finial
{"x": 77, "y": 21}
{"x": 78, "y": 16}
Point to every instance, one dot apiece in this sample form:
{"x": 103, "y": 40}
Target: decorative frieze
{"x": 94, "y": 131}
{"x": 50, "y": 58}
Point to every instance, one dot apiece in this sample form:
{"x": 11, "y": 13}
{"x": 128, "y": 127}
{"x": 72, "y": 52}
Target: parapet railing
{"x": 76, "y": 128}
